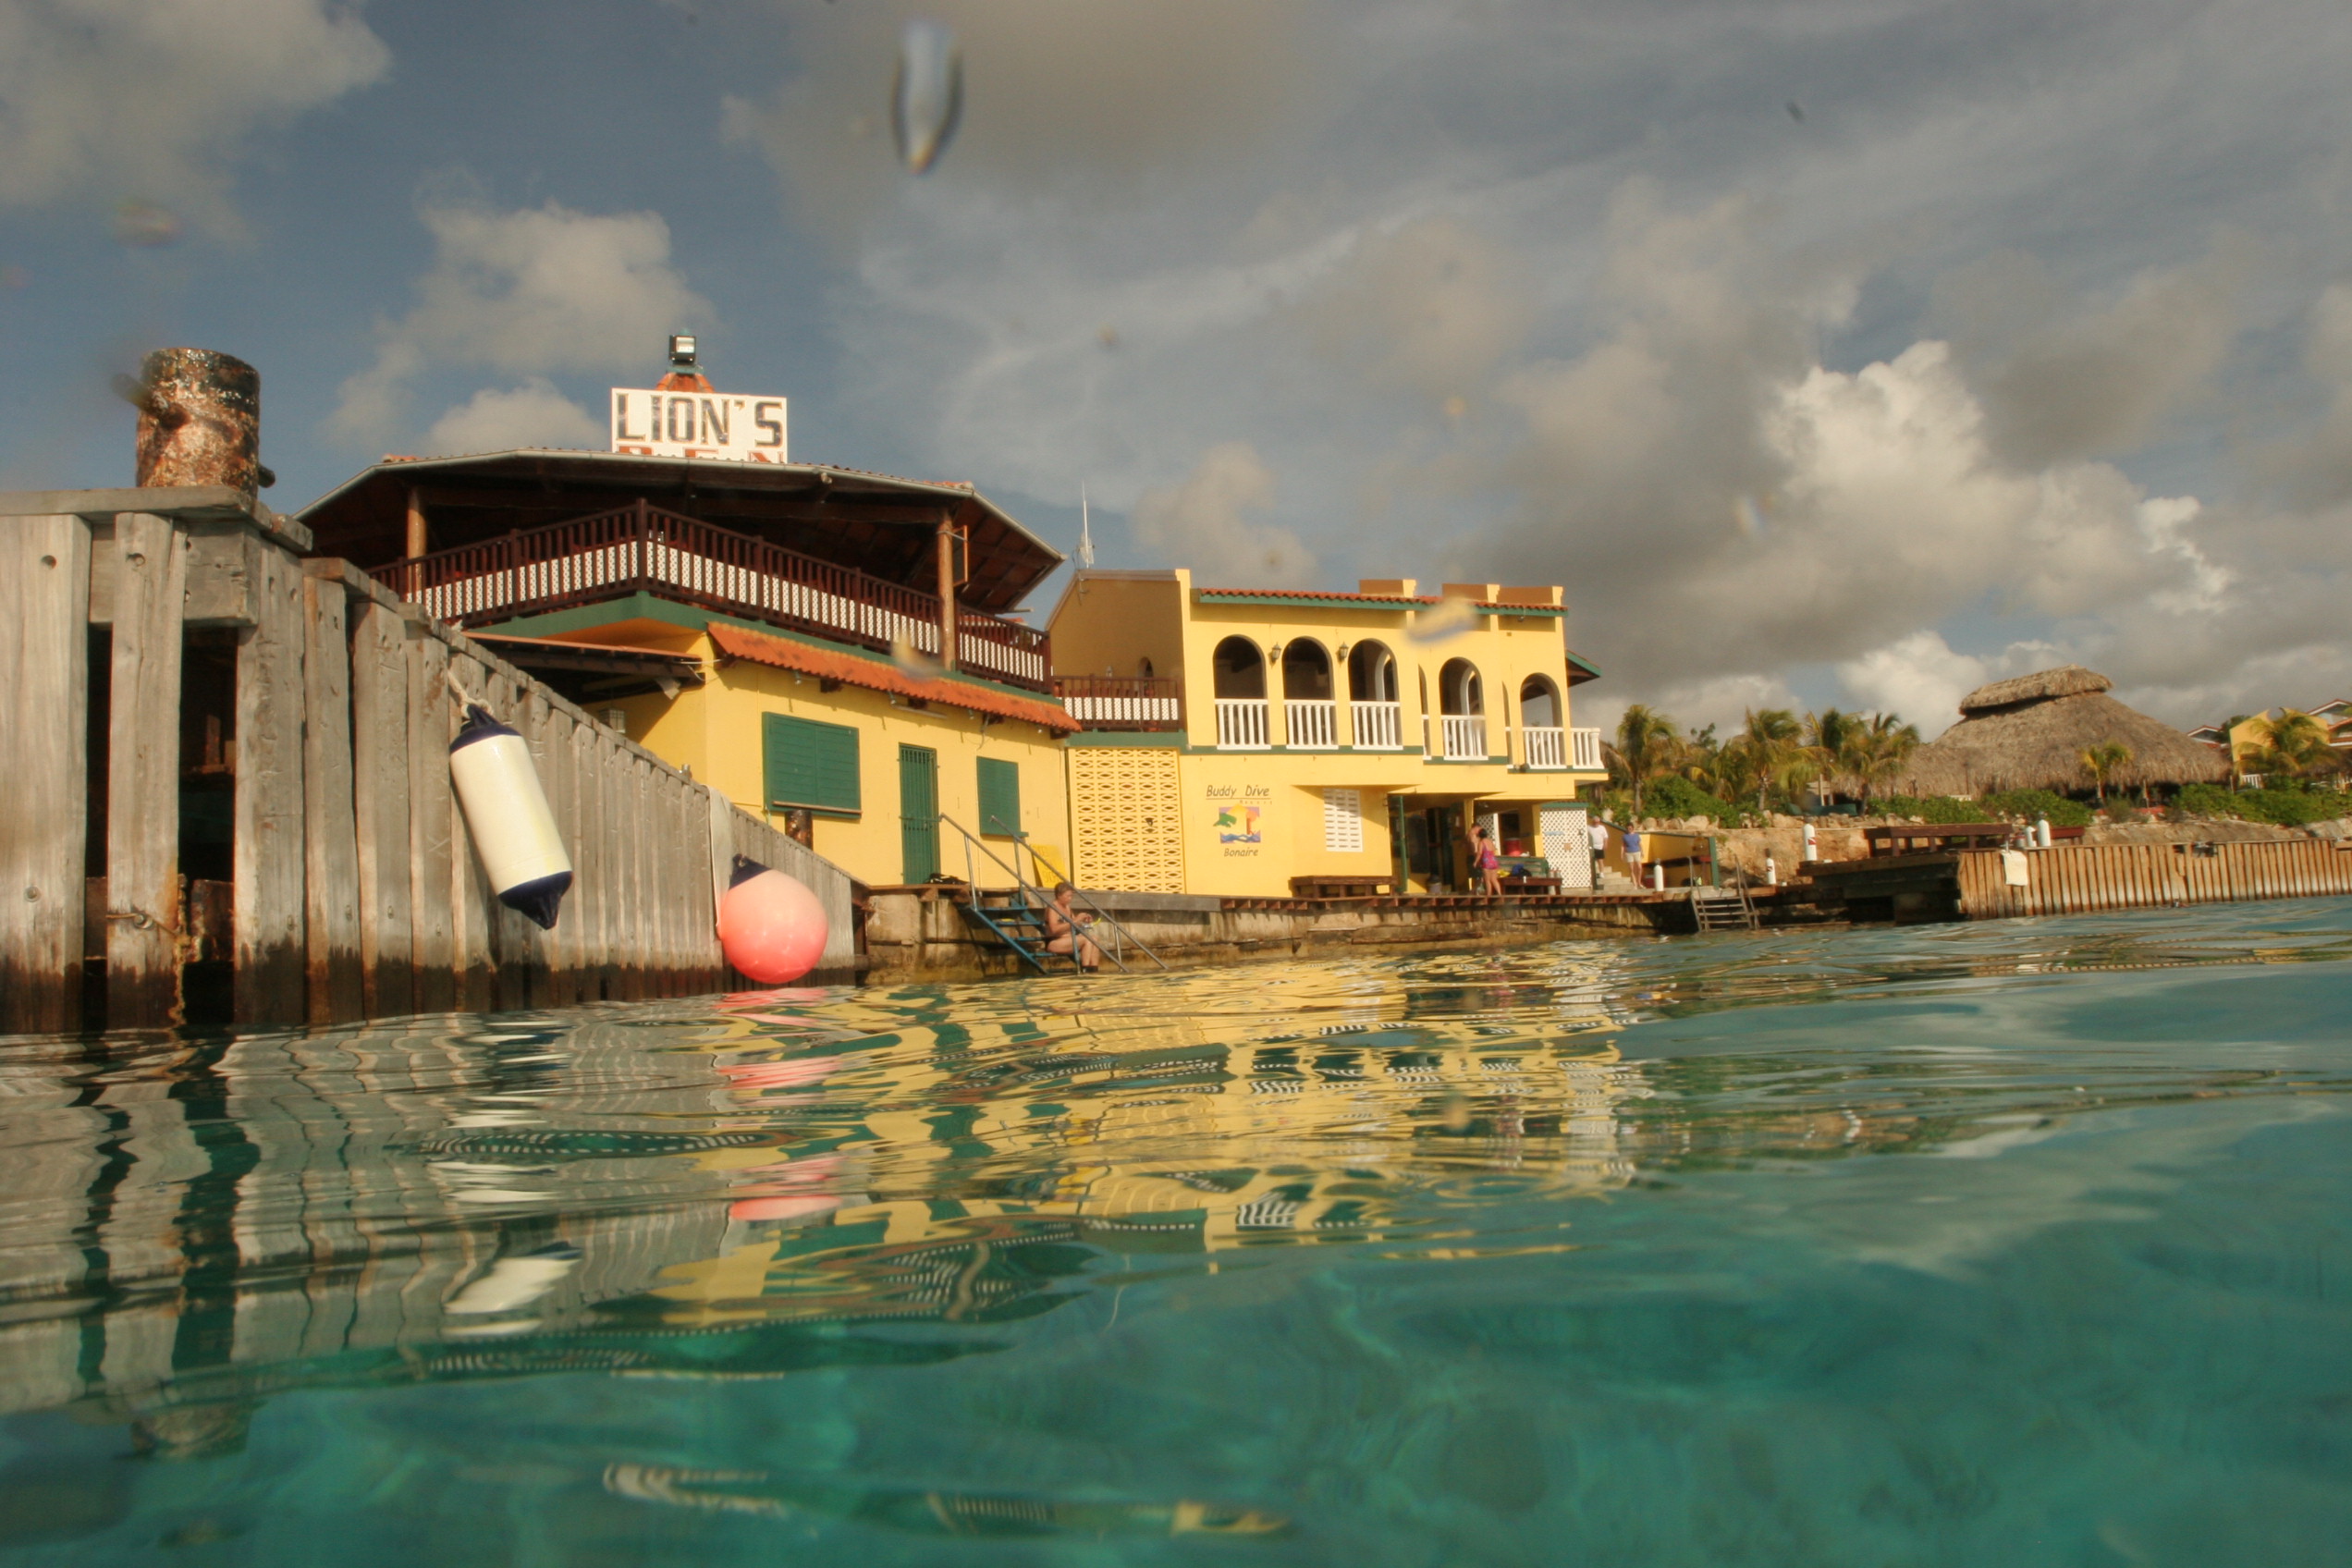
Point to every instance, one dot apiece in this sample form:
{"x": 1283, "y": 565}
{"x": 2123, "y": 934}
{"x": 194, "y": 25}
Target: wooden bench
{"x": 1340, "y": 887}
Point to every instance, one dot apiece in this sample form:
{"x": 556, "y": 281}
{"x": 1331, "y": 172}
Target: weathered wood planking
{"x": 380, "y": 805}
{"x": 431, "y": 722}
{"x": 331, "y": 833}
{"x": 142, "y": 766}
{"x": 44, "y": 697}
{"x": 2089, "y": 878}
{"x": 272, "y": 913}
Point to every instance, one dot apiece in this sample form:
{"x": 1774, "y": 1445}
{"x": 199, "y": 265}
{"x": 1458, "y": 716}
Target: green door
{"x": 919, "y": 811}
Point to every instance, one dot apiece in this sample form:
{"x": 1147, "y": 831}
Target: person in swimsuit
{"x": 1482, "y": 849}
{"x": 1066, "y": 931}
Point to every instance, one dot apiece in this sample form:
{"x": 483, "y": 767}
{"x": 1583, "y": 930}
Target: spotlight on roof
{"x": 682, "y": 349}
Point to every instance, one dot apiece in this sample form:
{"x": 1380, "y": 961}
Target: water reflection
{"x": 792, "y": 1182}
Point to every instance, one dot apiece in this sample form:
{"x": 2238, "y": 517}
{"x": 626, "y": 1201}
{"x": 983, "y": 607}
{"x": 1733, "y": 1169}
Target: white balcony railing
{"x": 1379, "y": 726}
{"x": 1241, "y": 723}
{"x": 1465, "y": 737}
{"x": 1583, "y": 750}
{"x": 1546, "y": 748}
{"x": 1311, "y": 726}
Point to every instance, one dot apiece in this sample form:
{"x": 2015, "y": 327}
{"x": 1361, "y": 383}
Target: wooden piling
{"x": 380, "y": 805}
{"x": 431, "y": 723}
{"x": 331, "y": 854}
{"x": 142, "y": 782}
{"x": 44, "y": 694}
{"x": 272, "y": 916}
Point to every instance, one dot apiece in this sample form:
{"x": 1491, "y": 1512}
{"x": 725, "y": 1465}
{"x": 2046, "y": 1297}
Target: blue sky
{"x": 1851, "y": 351}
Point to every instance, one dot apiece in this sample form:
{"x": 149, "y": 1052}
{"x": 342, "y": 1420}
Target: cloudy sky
{"x": 1829, "y": 351}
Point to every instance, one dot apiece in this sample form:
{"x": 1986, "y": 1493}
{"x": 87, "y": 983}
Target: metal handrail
{"x": 972, "y": 841}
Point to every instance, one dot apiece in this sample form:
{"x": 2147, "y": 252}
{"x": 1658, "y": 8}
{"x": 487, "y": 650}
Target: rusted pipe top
{"x": 200, "y": 420}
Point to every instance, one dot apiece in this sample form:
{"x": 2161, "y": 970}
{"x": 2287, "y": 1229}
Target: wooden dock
{"x": 2074, "y": 879}
{"x": 169, "y": 645}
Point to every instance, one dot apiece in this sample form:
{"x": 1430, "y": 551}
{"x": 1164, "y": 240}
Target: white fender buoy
{"x": 770, "y": 926}
{"x": 507, "y": 814}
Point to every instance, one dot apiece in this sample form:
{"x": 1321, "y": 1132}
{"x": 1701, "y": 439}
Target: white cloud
{"x": 115, "y": 100}
{"x": 533, "y": 414}
{"x": 1199, "y": 523}
{"x": 525, "y": 293}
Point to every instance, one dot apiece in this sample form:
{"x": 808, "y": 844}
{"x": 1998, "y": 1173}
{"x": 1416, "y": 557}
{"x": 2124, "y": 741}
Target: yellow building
{"x": 1239, "y": 741}
{"x": 836, "y": 649}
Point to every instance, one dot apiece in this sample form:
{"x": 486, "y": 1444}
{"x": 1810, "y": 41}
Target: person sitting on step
{"x": 1066, "y": 931}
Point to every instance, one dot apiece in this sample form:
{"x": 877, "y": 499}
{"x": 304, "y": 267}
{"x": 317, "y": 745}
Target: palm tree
{"x": 1876, "y": 748}
{"x": 1647, "y": 740}
{"x": 2291, "y": 743}
{"x": 2102, "y": 760}
{"x": 1765, "y": 745}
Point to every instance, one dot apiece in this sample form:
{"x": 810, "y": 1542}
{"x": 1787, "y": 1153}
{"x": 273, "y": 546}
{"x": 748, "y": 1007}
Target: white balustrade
{"x": 1241, "y": 723}
{"x": 1379, "y": 726}
{"x": 1309, "y": 725}
{"x": 1547, "y": 746}
{"x": 1465, "y": 737}
{"x": 1583, "y": 750}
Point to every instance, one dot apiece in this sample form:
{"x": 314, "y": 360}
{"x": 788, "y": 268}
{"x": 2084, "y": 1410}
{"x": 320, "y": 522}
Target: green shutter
{"x": 999, "y": 798}
{"x": 810, "y": 765}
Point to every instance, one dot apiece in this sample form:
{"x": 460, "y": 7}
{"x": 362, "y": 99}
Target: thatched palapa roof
{"x": 2031, "y": 732}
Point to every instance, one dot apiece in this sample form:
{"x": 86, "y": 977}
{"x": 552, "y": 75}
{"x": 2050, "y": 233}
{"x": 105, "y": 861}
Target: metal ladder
{"x": 1019, "y": 921}
{"x": 1722, "y": 909}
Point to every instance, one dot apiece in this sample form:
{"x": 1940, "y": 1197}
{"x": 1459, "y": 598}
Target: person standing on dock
{"x": 1489, "y": 864}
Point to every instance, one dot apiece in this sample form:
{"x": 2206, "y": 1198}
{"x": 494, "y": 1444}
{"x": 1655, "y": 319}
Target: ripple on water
{"x": 1902, "y": 1245}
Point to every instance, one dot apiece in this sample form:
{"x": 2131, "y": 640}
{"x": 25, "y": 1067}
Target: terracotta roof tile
{"x": 851, "y": 669}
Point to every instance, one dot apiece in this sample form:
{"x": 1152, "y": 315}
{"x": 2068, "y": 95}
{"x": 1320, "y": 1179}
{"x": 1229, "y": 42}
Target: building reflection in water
{"x": 779, "y": 1182}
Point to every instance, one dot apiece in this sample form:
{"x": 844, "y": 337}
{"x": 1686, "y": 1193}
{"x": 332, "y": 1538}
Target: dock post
{"x": 380, "y": 804}
{"x": 331, "y": 854}
{"x": 143, "y": 768}
{"x": 271, "y": 914}
{"x": 44, "y": 673}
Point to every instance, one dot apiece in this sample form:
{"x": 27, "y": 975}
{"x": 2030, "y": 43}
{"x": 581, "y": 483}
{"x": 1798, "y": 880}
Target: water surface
{"x": 2009, "y": 1242}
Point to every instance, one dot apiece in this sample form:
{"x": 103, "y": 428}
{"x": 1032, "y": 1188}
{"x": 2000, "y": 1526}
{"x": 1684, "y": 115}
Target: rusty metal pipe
{"x": 200, "y": 420}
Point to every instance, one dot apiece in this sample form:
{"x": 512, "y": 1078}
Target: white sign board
{"x": 698, "y": 424}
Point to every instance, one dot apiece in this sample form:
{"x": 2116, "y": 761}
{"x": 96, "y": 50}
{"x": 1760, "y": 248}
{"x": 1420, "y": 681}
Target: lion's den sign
{"x": 698, "y": 424}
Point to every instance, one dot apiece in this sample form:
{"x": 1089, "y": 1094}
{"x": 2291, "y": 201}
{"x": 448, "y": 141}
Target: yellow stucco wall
{"x": 715, "y": 730}
{"x": 1251, "y": 820}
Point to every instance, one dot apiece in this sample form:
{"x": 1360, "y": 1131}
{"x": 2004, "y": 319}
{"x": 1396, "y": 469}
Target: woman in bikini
{"x": 1066, "y": 931}
{"x": 1489, "y": 863}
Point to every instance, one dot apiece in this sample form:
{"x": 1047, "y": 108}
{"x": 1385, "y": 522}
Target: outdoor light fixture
{"x": 682, "y": 349}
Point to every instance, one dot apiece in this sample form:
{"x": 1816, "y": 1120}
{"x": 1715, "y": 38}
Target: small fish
{"x": 1451, "y": 618}
{"x": 553, "y": 1143}
{"x": 926, "y": 96}
{"x": 1795, "y": 111}
{"x": 145, "y": 225}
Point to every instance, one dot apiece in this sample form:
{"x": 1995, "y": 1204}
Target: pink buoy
{"x": 770, "y": 926}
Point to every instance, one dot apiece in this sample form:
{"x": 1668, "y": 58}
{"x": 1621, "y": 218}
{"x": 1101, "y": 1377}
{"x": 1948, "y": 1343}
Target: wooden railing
{"x": 1241, "y": 723}
{"x": 1310, "y": 724}
{"x": 1122, "y": 701}
{"x": 1376, "y": 726}
{"x": 1465, "y": 737}
{"x": 642, "y": 548}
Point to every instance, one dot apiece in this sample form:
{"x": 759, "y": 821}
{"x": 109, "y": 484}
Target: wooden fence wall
{"x": 355, "y": 889}
{"x": 2096, "y": 877}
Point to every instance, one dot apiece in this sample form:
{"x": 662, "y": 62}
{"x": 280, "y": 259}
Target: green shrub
{"x": 2031, "y": 804}
{"x": 2285, "y": 804}
{"x": 1677, "y": 796}
{"x": 1931, "y": 808}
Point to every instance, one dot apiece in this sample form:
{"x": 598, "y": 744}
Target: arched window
{"x": 1240, "y": 668}
{"x": 1538, "y": 704}
{"x": 1372, "y": 674}
{"x": 1459, "y": 690}
{"x": 1306, "y": 671}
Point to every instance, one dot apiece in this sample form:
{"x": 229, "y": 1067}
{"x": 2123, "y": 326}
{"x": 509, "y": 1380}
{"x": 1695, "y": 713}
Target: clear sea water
{"x": 2000, "y": 1244}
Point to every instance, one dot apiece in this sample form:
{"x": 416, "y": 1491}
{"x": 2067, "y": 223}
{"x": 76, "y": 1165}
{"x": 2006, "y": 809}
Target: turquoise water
{"x": 2011, "y": 1242}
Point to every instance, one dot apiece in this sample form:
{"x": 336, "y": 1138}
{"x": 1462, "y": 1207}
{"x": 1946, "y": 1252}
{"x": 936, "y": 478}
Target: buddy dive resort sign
{"x": 698, "y": 424}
